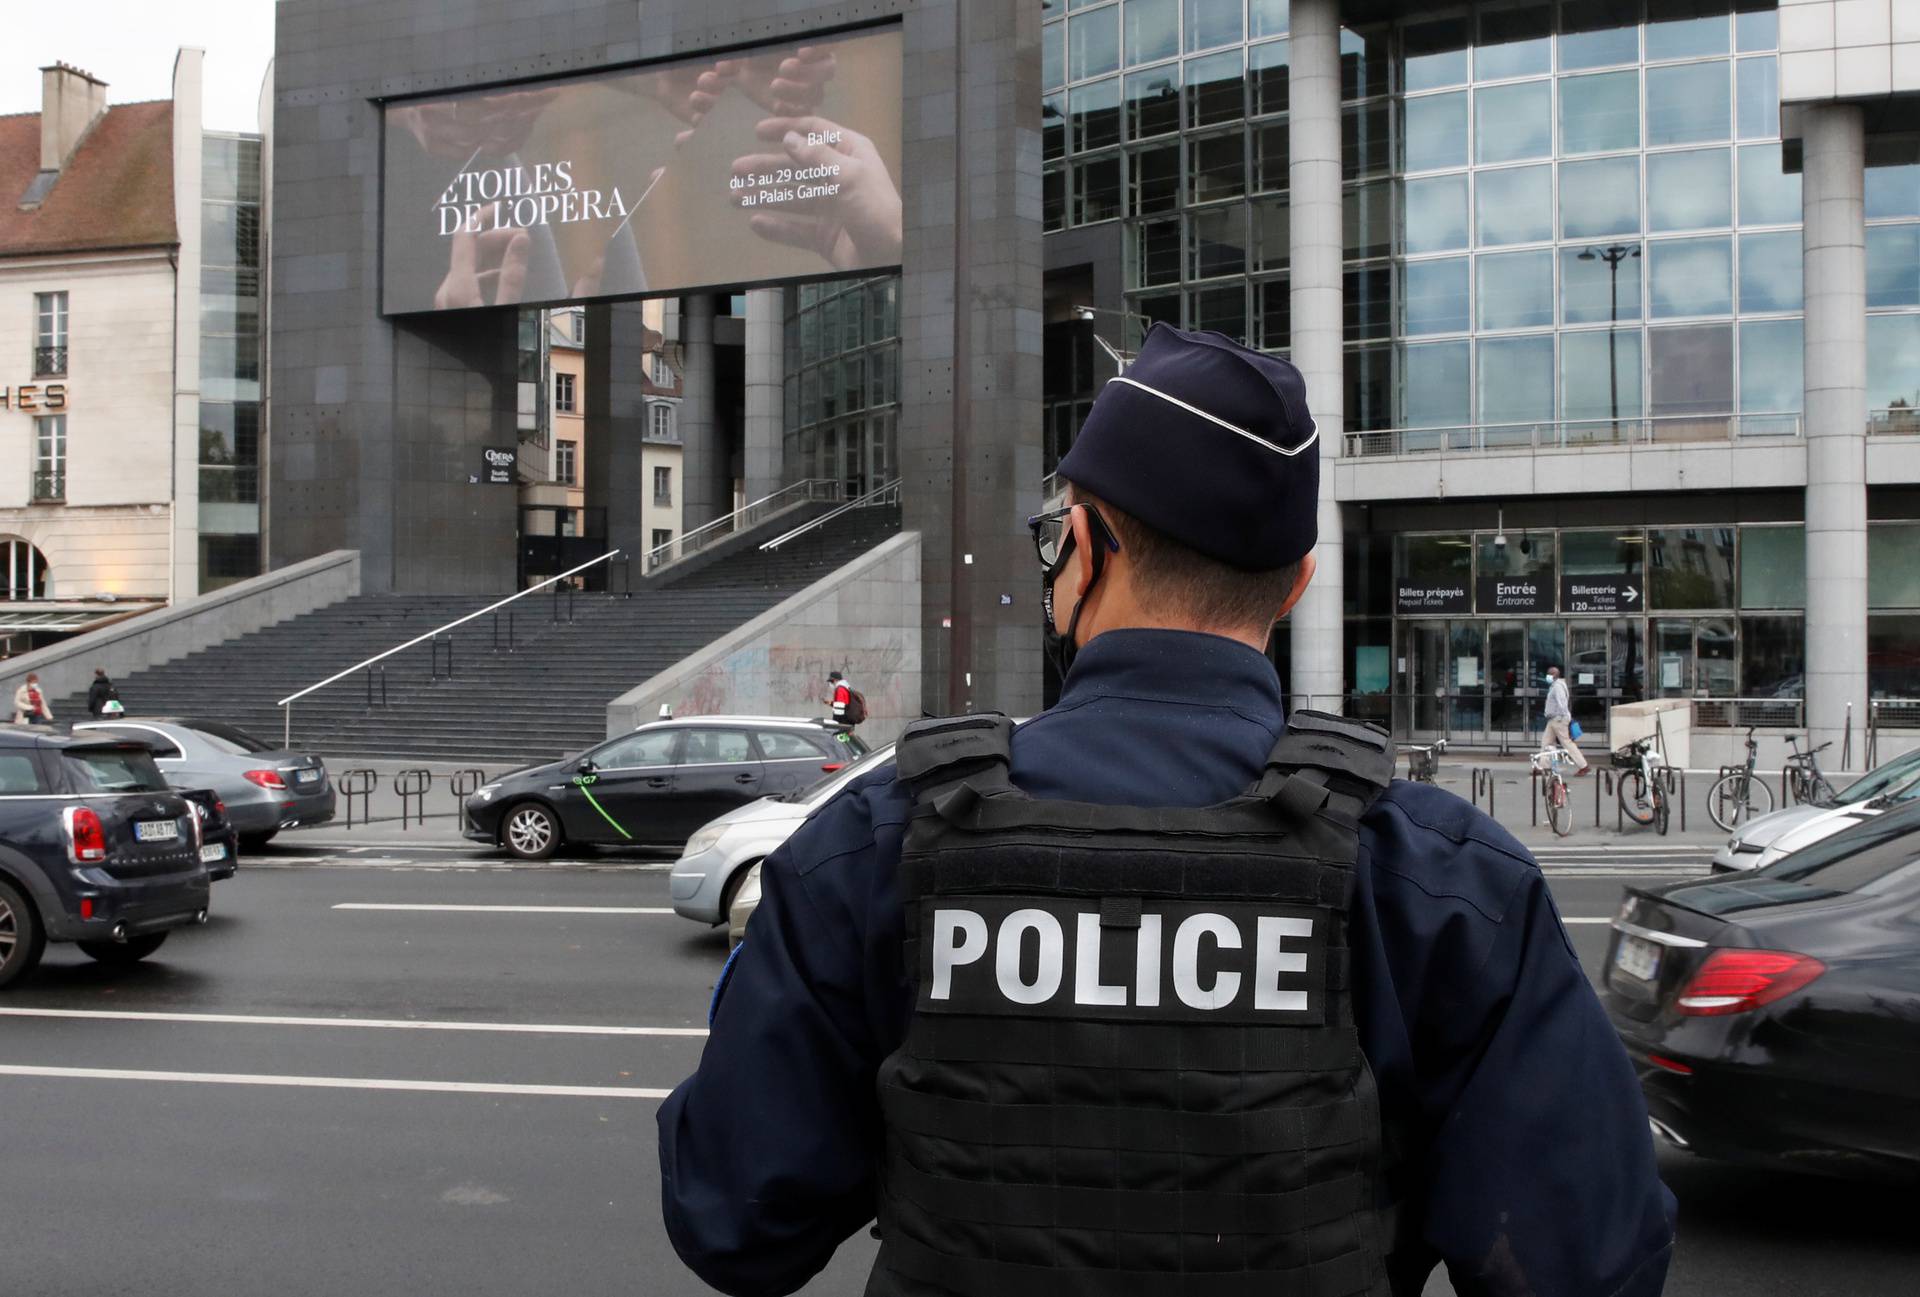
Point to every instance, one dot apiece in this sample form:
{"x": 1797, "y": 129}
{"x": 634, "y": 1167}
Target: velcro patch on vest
{"x": 1054, "y": 957}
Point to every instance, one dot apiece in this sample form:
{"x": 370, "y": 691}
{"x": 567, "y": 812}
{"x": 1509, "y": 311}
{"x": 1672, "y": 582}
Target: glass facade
{"x": 843, "y": 381}
{"x": 1573, "y": 211}
{"x": 230, "y": 353}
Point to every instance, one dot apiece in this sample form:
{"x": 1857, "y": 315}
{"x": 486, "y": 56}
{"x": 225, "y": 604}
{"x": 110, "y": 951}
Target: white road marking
{"x": 509, "y": 909}
{"x": 384, "y": 1024}
{"x": 335, "y": 1082}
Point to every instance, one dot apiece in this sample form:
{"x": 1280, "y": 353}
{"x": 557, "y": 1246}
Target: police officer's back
{"x": 1159, "y": 995}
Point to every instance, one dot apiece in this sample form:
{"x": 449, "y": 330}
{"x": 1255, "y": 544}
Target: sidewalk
{"x": 377, "y": 818}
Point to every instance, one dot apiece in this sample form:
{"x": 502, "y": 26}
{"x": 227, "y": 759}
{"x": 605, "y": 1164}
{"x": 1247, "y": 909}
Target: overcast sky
{"x": 130, "y": 45}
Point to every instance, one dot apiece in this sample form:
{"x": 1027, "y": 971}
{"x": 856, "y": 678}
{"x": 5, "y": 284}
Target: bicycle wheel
{"x": 1662, "y": 809}
{"x": 1559, "y": 806}
{"x": 1738, "y": 798}
{"x": 1634, "y": 800}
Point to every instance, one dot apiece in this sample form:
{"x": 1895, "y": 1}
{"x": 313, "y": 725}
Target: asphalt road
{"x": 310, "y": 1133}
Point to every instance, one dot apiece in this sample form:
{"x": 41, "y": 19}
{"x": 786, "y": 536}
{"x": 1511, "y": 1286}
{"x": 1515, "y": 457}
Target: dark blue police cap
{"x": 1210, "y": 443}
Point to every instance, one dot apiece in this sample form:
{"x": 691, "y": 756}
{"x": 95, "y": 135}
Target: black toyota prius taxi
{"x": 1774, "y": 1017}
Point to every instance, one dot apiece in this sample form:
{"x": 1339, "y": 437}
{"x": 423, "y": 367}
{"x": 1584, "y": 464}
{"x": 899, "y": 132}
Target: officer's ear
{"x": 1300, "y": 581}
{"x": 1082, "y": 528}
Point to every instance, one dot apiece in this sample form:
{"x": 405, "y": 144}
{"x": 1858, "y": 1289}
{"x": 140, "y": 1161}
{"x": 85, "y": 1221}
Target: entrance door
{"x": 1468, "y": 647}
{"x": 1507, "y": 676}
{"x": 1424, "y": 646}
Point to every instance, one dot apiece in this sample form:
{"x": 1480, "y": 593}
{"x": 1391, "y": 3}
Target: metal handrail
{"x": 1573, "y": 434}
{"x": 689, "y": 543}
{"x": 1716, "y": 713}
{"x": 1896, "y": 420}
{"x": 495, "y": 606}
{"x": 873, "y": 497}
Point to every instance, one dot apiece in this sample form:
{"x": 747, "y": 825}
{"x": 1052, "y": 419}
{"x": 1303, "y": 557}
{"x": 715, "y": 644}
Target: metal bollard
{"x": 1483, "y": 781}
{"x": 1676, "y": 776}
{"x": 357, "y": 783}
{"x": 412, "y": 786}
{"x": 1533, "y": 798}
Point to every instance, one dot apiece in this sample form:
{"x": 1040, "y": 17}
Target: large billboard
{"x": 778, "y": 162}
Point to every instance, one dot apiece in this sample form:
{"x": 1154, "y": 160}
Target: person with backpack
{"x": 1164, "y": 991}
{"x": 849, "y": 704}
{"x": 102, "y": 698}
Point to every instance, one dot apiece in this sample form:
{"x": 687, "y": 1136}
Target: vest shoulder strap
{"x": 1351, "y": 760}
{"x": 938, "y": 754}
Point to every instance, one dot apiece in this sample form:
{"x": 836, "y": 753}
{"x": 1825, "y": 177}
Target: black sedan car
{"x": 1775, "y": 1016}
{"x": 655, "y": 786}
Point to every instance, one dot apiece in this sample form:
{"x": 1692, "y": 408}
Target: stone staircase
{"x": 541, "y": 698}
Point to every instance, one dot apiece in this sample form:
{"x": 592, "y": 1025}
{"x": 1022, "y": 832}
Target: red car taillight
{"x": 1735, "y": 981}
{"x": 86, "y": 837}
{"x": 267, "y": 779}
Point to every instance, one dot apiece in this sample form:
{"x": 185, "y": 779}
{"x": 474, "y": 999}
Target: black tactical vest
{"x": 1132, "y": 1068}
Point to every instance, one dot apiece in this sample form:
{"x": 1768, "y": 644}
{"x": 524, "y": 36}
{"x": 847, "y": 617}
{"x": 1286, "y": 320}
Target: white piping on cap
{"x": 1212, "y": 418}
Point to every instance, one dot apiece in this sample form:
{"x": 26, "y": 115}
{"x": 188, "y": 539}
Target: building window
{"x": 662, "y": 371}
{"x": 49, "y": 335}
{"x": 661, "y": 536}
{"x": 563, "y": 459}
{"x": 25, "y": 567}
{"x": 663, "y": 422}
{"x": 50, "y": 457}
{"x": 663, "y": 486}
{"x": 563, "y": 393}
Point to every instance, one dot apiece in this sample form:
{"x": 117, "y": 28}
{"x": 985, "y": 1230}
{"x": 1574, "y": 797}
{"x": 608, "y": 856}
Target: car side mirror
{"x": 585, "y": 766}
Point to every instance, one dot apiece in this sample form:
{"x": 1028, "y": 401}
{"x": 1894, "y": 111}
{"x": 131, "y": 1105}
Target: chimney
{"x": 70, "y": 102}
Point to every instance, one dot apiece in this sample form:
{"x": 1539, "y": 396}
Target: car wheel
{"x": 255, "y": 841}
{"x": 21, "y": 938}
{"x": 735, "y": 882}
{"x": 530, "y": 831}
{"x": 118, "y": 954}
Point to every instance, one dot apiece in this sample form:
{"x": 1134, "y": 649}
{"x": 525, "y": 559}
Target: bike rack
{"x": 464, "y": 784}
{"x": 434, "y": 644}
{"x": 412, "y": 786}
{"x": 1483, "y": 781}
{"x": 1605, "y": 777}
{"x": 1675, "y": 775}
{"x": 357, "y": 783}
{"x": 1533, "y": 798}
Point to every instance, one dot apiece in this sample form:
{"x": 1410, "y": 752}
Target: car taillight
{"x": 1735, "y": 981}
{"x": 86, "y": 837}
{"x": 219, "y": 808}
{"x": 266, "y": 779}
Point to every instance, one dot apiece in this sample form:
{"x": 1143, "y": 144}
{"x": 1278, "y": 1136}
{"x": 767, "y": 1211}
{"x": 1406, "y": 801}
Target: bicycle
{"x": 1424, "y": 762}
{"x": 1805, "y": 783}
{"x": 1554, "y": 789}
{"x": 1643, "y": 793}
{"x": 1738, "y": 796}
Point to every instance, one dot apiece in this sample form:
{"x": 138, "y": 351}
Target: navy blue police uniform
{"x": 1520, "y": 1156}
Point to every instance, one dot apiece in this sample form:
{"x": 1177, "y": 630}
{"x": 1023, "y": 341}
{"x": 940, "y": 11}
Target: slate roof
{"x": 115, "y": 192}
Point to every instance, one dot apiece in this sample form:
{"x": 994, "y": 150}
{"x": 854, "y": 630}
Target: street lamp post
{"x": 1613, "y": 255}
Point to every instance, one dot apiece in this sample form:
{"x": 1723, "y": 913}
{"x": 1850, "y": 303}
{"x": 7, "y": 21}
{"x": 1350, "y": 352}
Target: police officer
{"x": 1161, "y": 993}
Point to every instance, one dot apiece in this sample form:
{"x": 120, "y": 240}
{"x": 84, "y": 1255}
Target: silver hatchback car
{"x": 717, "y": 859}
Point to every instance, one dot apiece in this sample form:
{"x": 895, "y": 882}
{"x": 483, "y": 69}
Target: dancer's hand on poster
{"x": 459, "y": 128}
{"x": 484, "y": 269}
{"x": 859, "y": 224}
{"x": 789, "y": 85}
{"x": 687, "y": 92}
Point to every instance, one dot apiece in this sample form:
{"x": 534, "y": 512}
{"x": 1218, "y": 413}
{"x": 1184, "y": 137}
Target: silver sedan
{"x": 266, "y": 789}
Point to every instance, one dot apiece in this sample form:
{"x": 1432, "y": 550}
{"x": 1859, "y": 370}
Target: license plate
{"x": 218, "y": 851}
{"x": 1638, "y": 958}
{"x": 307, "y": 776}
{"x": 156, "y": 830}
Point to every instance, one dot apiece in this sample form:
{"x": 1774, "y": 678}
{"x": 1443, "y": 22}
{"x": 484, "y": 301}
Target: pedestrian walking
{"x": 1163, "y": 992}
{"x": 102, "y": 698}
{"x": 849, "y": 704}
{"x": 30, "y": 705}
{"x": 1559, "y": 730}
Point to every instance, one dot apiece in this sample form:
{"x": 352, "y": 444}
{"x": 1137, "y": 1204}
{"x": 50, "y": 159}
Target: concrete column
{"x": 766, "y": 372}
{"x": 616, "y": 405}
{"x": 1836, "y": 416}
{"x": 1319, "y": 253}
{"x": 704, "y": 468}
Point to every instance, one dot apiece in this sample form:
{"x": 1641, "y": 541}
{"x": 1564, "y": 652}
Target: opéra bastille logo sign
{"x": 34, "y": 397}
{"x": 518, "y": 198}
